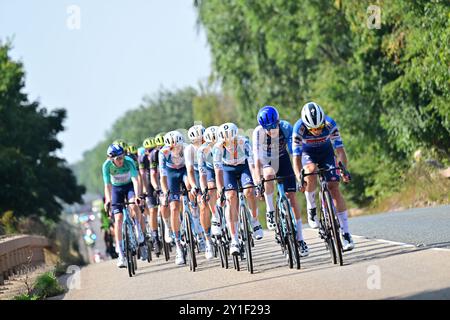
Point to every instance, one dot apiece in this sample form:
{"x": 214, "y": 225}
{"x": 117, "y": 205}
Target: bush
{"x": 47, "y": 285}
{"x": 26, "y": 296}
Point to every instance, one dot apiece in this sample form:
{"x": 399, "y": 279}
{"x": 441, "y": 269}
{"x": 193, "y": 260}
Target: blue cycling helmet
{"x": 114, "y": 150}
{"x": 141, "y": 151}
{"x": 268, "y": 117}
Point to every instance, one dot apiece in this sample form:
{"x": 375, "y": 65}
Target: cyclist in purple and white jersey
{"x": 316, "y": 139}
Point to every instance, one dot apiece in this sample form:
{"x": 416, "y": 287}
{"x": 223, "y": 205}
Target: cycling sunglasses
{"x": 272, "y": 126}
{"x": 118, "y": 158}
{"x": 318, "y": 128}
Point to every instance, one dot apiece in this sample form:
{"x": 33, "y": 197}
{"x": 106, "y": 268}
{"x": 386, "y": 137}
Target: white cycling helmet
{"x": 227, "y": 131}
{"x": 173, "y": 138}
{"x": 312, "y": 115}
{"x": 210, "y": 134}
{"x": 195, "y": 133}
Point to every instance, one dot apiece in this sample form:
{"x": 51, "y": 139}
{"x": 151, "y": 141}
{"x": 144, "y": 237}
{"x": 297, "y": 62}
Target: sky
{"x": 99, "y": 58}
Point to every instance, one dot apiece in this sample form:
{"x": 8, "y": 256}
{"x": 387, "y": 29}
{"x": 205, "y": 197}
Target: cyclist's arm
{"x": 257, "y": 152}
{"x": 107, "y": 180}
{"x": 218, "y": 165}
{"x": 136, "y": 186}
{"x": 145, "y": 182}
{"x": 297, "y": 160}
{"x": 154, "y": 178}
{"x": 135, "y": 179}
{"x": 164, "y": 187}
{"x": 297, "y": 148}
{"x": 108, "y": 190}
{"x": 341, "y": 155}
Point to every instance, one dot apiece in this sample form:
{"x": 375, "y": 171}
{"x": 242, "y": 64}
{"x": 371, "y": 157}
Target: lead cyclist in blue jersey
{"x": 316, "y": 138}
{"x": 272, "y": 143}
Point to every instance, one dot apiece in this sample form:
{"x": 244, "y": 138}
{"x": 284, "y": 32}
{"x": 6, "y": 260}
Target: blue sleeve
{"x": 297, "y": 138}
{"x": 335, "y": 136}
{"x": 287, "y": 132}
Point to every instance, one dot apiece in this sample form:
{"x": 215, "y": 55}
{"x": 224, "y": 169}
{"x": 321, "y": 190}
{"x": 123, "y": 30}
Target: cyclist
{"x": 208, "y": 176}
{"x": 195, "y": 134}
{"x": 120, "y": 179}
{"x": 155, "y": 181}
{"x": 272, "y": 143}
{"x": 232, "y": 157}
{"x": 151, "y": 209}
{"x": 173, "y": 173}
{"x": 316, "y": 138}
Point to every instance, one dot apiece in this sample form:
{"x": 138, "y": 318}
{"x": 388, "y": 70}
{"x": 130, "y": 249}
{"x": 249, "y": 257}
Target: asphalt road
{"x": 376, "y": 269}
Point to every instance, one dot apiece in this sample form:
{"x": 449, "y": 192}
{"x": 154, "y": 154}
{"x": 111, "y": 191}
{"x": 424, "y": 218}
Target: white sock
{"x": 299, "y": 230}
{"x": 343, "y": 221}
{"x": 269, "y": 202}
{"x": 310, "y": 199}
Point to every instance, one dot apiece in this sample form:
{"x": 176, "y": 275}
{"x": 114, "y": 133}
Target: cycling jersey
{"x": 119, "y": 176}
{"x": 267, "y": 148}
{"x": 205, "y": 157}
{"x": 232, "y": 154}
{"x": 154, "y": 158}
{"x": 135, "y": 160}
{"x": 144, "y": 162}
{"x": 172, "y": 158}
{"x": 303, "y": 140}
{"x": 190, "y": 153}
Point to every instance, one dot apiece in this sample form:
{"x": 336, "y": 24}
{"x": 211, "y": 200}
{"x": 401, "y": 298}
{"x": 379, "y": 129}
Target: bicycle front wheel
{"x": 334, "y": 228}
{"x": 246, "y": 238}
{"x": 291, "y": 235}
{"x": 127, "y": 249}
{"x": 190, "y": 242}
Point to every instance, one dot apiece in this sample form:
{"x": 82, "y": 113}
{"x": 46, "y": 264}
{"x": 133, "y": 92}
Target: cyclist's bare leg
{"x": 338, "y": 200}
{"x": 231, "y": 213}
{"x": 136, "y": 213}
{"x": 250, "y": 196}
{"x": 339, "y": 203}
{"x": 175, "y": 216}
{"x": 212, "y": 197}
{"x": 310, "y": 180}
{"x": 153, "y": 218}
{"x": 205, "y": 217}
{"x": 118, "y": 231}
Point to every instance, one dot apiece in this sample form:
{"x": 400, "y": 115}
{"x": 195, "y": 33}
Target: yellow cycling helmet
{"x": 132, "y": 149}
{"x": 149, "y": 143}
{"x": 159, "y": 140}
{"x": 121, "y": 143}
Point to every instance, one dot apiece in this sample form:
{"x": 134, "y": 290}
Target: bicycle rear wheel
{"x": 334, "y": 229}
{"x": 246, "y": 238}
{"x": 292, "y": 235}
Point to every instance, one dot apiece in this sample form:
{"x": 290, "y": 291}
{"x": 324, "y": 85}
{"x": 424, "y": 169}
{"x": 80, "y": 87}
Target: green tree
{"x": 35, "y": 180}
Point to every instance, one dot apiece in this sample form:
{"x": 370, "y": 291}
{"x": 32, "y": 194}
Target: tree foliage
{"x": 388, "y": 88}
{"x": 35, "y": 181}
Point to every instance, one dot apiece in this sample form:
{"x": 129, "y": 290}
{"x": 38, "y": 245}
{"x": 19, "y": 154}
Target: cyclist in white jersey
{"x": 272, "y": 143}
{"x": 195, "y": 134}
{"x": 208, "y": 176}
{"x": 232, "y": 159}
{"x": 173, "y": 173}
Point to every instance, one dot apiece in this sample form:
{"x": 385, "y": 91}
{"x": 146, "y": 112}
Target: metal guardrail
{"x": 19, "y": 251}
